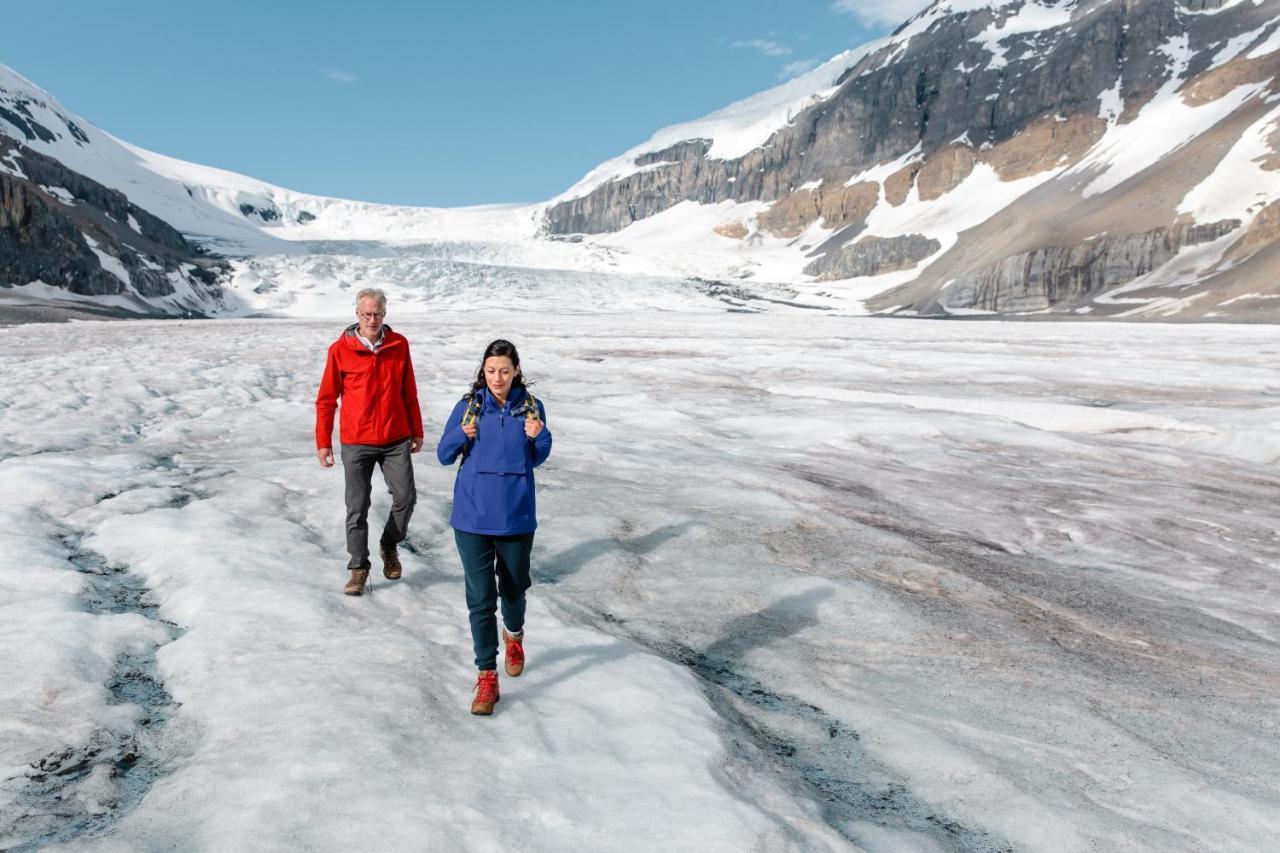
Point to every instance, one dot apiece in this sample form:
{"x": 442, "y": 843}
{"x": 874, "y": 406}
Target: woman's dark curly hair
{"x": 500, "y": 348}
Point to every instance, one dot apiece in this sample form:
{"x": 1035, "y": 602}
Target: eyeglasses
{"x": 364, "y": 315}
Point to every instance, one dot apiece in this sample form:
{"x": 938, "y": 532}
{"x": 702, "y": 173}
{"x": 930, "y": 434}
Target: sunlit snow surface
{"x": 802, "y": 582}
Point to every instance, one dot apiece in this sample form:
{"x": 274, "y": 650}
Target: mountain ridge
{"x": 1033, "y": 92}
{"x": 1078, "y": 159}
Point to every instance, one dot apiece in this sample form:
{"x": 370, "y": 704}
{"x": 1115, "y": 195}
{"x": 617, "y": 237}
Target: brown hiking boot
{"x": 391, "y": 567}
{"x": 355, "y": 586}
{"x": 513, "y": 660}
{"x": 486, "y": 693}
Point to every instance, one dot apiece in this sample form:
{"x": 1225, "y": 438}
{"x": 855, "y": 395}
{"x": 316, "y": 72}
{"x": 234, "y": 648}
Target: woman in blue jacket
{"x": 500, "y": 431}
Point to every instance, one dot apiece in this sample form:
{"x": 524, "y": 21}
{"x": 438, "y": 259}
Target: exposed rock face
{"x": 52, "y": 219}
{"x": 1263, "y": 231}
{"x": 898, "y": 185}
{"x": 265, "y": 214}
{"x": 874, "y": 256}
{"x": 732, "y": 230}
{"x": 944, "y": 86}
{"x": 1217, "y": 82}
{"x": 619, "y": 203}
{"x": 791, "y": 214}
{"x": 26, "y": 123}
{"x": 22, "y": 118}
{"x": 1046, "y": 278}
{"x": 38, "y": 244}
{"x": 945, "y": 170}
{"x": 1043, "y": 145}
{"x": 832, "y": 202}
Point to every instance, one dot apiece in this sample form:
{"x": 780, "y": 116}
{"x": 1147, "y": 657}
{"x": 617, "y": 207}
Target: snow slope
{"x": 210, "y": 204}
{"x": 737, "y": 128}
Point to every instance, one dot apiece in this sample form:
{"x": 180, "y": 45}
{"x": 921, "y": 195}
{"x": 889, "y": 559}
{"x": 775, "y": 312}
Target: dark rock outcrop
{"x": 264, "y": 214}
{"x": 873, "y": 256}
{"x": 1054, "y": 276}
{"x": 36, "y": 243}
{"x": 52, "y": 219}
{"x": 16, "y": 111}
{"x": 45, "y": 171}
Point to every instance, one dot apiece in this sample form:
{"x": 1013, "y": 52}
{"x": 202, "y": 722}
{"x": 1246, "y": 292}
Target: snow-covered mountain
{"x": 222, "y": 209}
{"x": 70, "y": 237}
{"x": 215, "y": 210}
{"x": 1089, "y": 158}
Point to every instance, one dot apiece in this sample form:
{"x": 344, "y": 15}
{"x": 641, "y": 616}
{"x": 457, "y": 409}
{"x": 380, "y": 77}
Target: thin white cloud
{"x": 339, "y": 76}
{"x": 795, "y": 69}
{"x": 765, "y": 46}
{"x": 877, "y": 13}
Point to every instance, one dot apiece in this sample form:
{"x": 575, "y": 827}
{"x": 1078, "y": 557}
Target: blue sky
{"x": 419, "y": 103}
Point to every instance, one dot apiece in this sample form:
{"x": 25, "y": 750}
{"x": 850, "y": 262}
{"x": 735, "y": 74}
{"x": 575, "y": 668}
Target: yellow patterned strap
{"x": 472, "y": 414}
{"x": 531, "y": 407}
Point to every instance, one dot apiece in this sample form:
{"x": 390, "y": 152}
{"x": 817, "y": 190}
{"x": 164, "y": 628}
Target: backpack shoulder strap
{"x": 472, "y": 413}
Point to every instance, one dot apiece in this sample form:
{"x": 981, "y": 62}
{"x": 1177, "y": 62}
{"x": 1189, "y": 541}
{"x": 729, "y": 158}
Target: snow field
{"x": 984, "y": 554}
{"x": 802, "y": 582}
{"x": 308, "y": 719}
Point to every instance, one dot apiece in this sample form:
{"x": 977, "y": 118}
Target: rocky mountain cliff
{"x": 1099, "y": 157}
{"x": 64, "y": 230}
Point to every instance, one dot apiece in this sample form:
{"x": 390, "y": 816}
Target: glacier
{"x": 803, "y": 582}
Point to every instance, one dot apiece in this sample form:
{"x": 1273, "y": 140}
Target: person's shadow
{"x": 574, "y": 660}
{"x": 783, "y": 618}
{"x": 571, "y": 560}
{"x": 718, "y": 663}
{"x": 429, "y": 568}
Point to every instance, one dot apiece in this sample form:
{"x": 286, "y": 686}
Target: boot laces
{"x": 515, "y": 651}
{"x": 487, "y": 687}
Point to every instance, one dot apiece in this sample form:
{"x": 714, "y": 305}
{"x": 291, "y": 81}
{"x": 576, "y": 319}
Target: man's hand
{"x": 415, "y": 445}
{"x": 469, "y": 430}
{"x": 325, "y": 455}
{"x": 532, "y": 427}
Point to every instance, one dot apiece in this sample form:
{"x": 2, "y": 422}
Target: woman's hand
{"x": 532, "y": 427}
{"x": 469, "y": 430}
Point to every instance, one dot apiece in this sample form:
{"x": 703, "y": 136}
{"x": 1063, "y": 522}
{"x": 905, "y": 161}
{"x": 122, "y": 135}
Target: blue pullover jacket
{"x": 493, "y": 493}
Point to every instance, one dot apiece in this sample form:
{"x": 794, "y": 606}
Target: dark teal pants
{"x": 496, "y": 569}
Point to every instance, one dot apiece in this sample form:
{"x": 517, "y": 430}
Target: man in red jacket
{"x": 381, "y": 424}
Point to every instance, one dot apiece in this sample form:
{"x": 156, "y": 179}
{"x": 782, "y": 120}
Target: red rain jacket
{"x": 378, "y": 391}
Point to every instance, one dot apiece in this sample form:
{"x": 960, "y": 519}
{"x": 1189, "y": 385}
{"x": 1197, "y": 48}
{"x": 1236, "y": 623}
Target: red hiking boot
{"x": 486, "y": 692}
{"x": 513, "y": 660}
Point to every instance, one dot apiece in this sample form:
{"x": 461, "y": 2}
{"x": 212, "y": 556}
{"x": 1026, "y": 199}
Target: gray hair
{"x": 372, "y": 293}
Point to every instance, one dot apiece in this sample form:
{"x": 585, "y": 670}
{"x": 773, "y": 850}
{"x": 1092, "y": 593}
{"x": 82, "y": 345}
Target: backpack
{"x": 472, "y": 414}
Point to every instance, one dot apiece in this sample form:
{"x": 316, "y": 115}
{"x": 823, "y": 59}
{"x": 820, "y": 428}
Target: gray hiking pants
{"x": 358, "y": 461}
